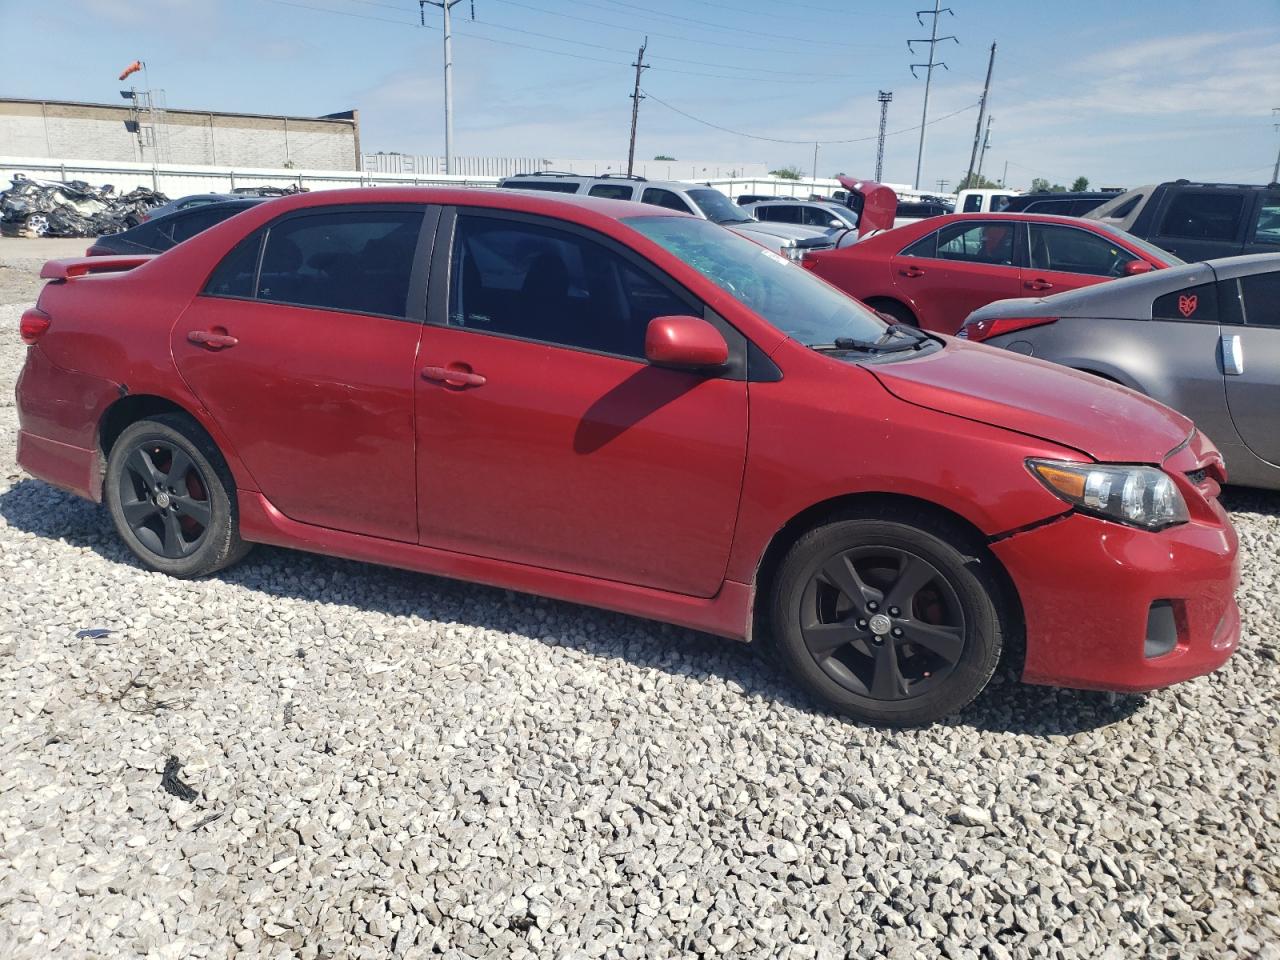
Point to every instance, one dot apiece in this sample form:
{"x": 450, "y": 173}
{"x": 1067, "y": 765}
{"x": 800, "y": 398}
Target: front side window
{"x": 611, "y": 191}
{"x": 537, "y": 282}
{"x": 817, "y": 217}
{"x": 664, "y": 198}
{"x": 1203, "y": 216}
{"x": 1070, "y": 250}
{"x": 355, "y": 261}
{"x": 1261, "y": 295}
{"x": 783, "y": 293}
{"x": 1267, "y": 229}
{"x": 975, "y": 243}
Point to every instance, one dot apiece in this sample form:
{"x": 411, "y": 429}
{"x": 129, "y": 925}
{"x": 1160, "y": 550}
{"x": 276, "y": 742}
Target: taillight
{"x": 979, "y": 330}
{"x": 33, "y": 325}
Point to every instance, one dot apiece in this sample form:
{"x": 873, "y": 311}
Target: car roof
{"x": 607, "y": 178}
{"x": 530, "y": 201}
{"x": 1228, "y": 268}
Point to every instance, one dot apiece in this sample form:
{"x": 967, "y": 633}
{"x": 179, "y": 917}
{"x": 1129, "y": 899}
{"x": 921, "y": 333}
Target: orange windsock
{"x": 131, "y": 68}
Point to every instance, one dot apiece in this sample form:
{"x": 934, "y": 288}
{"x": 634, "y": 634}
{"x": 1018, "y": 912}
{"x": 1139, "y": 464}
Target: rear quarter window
{"x": 1198, "y": 303}
{"x": 1203, "y": 216}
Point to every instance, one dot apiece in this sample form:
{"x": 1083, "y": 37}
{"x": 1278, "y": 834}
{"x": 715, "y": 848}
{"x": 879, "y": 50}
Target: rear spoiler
{"x": 82, "y": 266}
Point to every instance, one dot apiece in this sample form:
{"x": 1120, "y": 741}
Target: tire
{"x": 172, "y": 499}
{"x": 899, "y": 312}
{"x": 834, "y": 629}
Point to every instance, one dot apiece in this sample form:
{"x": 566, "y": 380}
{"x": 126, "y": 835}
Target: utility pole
{"x": 636, "y": 97}
{"x": 1275, "y": 171}
{"x": 986, "y": 142}
{"x": 933, "y": 42}
{"x": 982, "y": 109}
{"x": 942, "y": 185}
{"x": 815, "y": 166}
{"x": 445, "y": 6}
{"x": 1004, "y": 177}
{"x": 885, "y": 98}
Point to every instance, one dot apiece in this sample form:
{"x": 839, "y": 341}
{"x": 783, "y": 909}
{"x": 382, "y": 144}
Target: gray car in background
{"x": 1203, "y": 338}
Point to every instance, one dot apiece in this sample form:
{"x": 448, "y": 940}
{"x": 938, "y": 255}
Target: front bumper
{"x": 1088, "y": 586}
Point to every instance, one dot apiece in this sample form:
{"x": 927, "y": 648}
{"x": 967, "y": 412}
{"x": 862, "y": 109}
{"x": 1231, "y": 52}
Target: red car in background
{"x": 934, "y": 273}
{"x": 621, "y": 405}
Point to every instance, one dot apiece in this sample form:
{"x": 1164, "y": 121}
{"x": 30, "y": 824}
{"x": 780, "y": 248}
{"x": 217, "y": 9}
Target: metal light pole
{"x": 445, "y": 6}
{"x": 885, "y": 98}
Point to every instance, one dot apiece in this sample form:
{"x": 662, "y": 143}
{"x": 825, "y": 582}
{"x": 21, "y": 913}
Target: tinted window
{"x": 235, "y": 275}
{"x": 1268, "y": 226}
{"x": 189, "y": 224}
{"x": 1261, "y": 294}
{"x": 664, "y": 198}
{"x": 1075, "y": 251}
{"x": 972, "y": 203}
{"x": 551, "y": 186}
{"x": 150, "y": 236}
{"x": 782, "y": 214}
{"x": 999, "y": 201}
{"x": 817, "y": 217}
{"x": 1191, "y": 303}
{"x": 1048, "y": 206}
{"x": 611, "y": 191}
{"x": 1127, "y": 207}
{"x": 926, "y": 246}
{"x": 540, "y": 283}
{"x": 357, "y": 261}
{"x": 1203, "y": 216}
{"x": 976, "y": 243}
{"x": 783, "y": 293}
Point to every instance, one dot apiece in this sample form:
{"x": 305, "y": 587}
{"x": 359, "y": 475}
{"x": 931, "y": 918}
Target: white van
{"x": 984, "y": 201}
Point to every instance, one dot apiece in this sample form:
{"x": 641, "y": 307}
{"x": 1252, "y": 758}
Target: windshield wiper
{"x": 914, "y": 338}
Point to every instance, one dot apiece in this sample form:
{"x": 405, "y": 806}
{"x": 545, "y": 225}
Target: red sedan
{"x": 934, "y": 273}
{"x": 629, "y": 407}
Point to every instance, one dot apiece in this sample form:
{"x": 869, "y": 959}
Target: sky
{"x": 1122, "y": 94}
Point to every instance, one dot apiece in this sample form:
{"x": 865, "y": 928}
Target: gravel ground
{"x": 315, "y": 758}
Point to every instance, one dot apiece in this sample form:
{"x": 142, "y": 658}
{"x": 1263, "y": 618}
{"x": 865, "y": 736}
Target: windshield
{"x": 717, "y": 207}
{"x": 784, "y": 293}
{"x": 1150, "y": 249}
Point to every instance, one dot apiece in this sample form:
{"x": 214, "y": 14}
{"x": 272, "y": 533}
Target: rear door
{"x": 948, "y": 274}
{"x": 1201, "y": 224}
{"x": 1253, "y": 388}
{"x": 302, "y": 348}
{"x": 1065, "y": 258}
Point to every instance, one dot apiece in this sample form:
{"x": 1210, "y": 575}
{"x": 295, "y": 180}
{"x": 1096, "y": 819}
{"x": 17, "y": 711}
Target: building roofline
{"x": 338, "y": 117}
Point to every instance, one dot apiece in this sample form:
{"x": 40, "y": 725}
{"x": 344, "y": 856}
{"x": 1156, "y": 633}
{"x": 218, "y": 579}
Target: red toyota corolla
{"x": 629, "y": 407}
{"x": 934, "y": 273}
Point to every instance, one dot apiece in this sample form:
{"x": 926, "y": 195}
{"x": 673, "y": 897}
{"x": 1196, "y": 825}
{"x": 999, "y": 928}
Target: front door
{"x": 1253, "y": 390}
{"x": 307, "y": 362}
{"x": 543, "y": 436}
{"x": 953, "y": 271}
{"x": 1067, "y": 258}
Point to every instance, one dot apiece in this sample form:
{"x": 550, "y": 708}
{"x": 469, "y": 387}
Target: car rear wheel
{"x": 172, "y": 499}
{"x": 886, "y": 621}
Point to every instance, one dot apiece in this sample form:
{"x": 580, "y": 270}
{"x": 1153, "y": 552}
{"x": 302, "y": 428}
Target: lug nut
{"x": 897, "y": 631}
{"x": 873, "y": 605}
{"x": 862, "y": 624}
{"x": 894, "y": 611}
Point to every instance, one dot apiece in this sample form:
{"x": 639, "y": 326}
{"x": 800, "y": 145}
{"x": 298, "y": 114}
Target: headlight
{"x": 793, "y": 251}
{"x": 1142, "y": 496}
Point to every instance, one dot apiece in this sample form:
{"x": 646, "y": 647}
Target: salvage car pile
{"x": 42, "y": 208}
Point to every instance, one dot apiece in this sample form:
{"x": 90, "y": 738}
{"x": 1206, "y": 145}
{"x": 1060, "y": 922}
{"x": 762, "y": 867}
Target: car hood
{"x": 1104, "y": 420}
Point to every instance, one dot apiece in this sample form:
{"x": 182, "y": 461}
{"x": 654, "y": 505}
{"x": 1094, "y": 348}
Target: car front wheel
{"x": 889, "y": 621}
{"x": 172, "y": 499}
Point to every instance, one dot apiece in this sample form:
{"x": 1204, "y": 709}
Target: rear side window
{"x": 1261, "y": 294}
{"x": 973, "y": 203}
{"x": 236, "y": 275}
{"x": 977, "y": 243}
{"x": 1198, "y": 303}
{"x": 611, "y": 191}
{"x": 357, "y": 262}
{"x": 1203, "y": 216}
{"x": 1268, "y": 226}
{"x": 664, "y": 198}
{"x": 189, "y": 224}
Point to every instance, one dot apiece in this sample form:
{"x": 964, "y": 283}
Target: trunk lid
{"x": 1104, "y": 420}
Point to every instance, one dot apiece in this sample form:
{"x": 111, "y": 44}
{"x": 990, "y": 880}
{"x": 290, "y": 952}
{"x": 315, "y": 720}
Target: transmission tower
{"x": 885, "y": 98}
{"x": 933, "y": 42}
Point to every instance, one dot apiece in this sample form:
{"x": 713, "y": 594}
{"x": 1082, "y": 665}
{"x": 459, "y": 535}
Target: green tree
{"x": 1080, "y": 184}
{"x": 978, "y": 183}
{"x": 663, "y": 156}
{"x": 787, "y": 173}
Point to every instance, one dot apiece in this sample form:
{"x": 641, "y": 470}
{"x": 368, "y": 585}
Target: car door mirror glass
{"x": 684, "y": 343}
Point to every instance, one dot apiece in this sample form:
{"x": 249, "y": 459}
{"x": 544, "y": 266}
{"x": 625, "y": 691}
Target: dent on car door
{"x": 301, "y": 347}
{"x": 954, "y": 270}
{"x": 1251, "y": 363}
{"x": 544, "y": 438}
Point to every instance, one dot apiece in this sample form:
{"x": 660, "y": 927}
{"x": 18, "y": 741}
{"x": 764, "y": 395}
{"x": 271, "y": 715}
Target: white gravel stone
{"x": 398, "y": 765}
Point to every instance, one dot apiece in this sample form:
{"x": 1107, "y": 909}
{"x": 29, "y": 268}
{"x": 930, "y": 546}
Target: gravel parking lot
{"x": 315, "y": 758}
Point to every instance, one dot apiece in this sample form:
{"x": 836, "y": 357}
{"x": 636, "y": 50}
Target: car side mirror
{"x": 1135, "y": 267}
{"x": 836, "y": 223}
{"x": 684, "y": 343}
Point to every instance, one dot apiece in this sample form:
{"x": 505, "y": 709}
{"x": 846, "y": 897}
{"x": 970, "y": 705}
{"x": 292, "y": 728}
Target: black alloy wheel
{"x": 164, "y": 499}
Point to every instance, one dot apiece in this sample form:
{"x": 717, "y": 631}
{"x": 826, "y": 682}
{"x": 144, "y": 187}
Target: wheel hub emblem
{"x": 880, "y": 624}
{"x": 162, "y": 499}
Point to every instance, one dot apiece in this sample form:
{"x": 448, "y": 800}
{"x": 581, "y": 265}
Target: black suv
{"x": 1199, "y": 221}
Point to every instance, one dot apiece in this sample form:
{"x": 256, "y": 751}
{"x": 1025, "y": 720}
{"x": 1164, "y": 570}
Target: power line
{"x": 717, "y": 26}
{"x": 806, "y": 142}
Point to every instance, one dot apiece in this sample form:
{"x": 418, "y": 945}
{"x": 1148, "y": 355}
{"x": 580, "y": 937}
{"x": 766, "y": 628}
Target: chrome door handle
{"x": 1232, "y": 355}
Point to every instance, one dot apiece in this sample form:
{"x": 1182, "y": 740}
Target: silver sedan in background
{"x": 1203, "y": 338}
